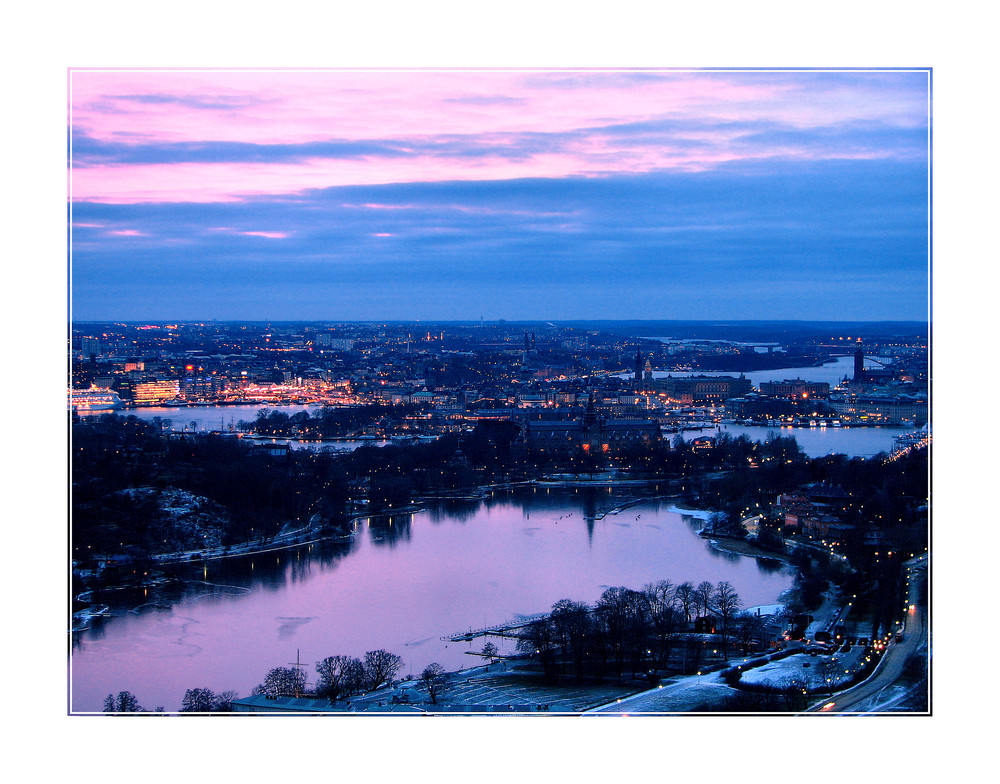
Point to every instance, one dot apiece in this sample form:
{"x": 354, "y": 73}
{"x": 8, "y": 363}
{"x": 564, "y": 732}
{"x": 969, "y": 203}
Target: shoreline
{"x": 740, "y": 547}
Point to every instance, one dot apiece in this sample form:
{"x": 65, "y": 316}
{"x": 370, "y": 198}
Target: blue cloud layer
{"x": 833, "y": 239}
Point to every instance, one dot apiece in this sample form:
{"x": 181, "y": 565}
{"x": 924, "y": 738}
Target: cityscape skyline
{"x": 450, "y": 195}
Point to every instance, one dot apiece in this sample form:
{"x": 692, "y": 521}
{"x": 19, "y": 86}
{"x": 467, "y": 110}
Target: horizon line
{"x": 474, "y": 321}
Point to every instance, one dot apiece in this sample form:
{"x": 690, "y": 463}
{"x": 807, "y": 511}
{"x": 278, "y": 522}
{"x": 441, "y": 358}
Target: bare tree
{"x": 621, "y": 610}
{"x": 686, "y": 599}
{"x": 572, "y": 624}
{"x": 380, "y": 667}
{"x": 282, "y": 682}
{"x": 198, "y": 701}
{"x": 703, "y": 596}
{"x": 727, "y": 604}
{"x": 434, "y": 681}
{"x": 224, "y": 702}
{"x": 661, "y": 601}
{"x": 207, "y": 701}
{"x": 538, "y": 639}
{"x": 339, "y": 676}
{"x": 125, "y": 702}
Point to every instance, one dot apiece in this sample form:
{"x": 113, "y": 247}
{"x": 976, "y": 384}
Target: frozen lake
{"x": 399, "y": 584}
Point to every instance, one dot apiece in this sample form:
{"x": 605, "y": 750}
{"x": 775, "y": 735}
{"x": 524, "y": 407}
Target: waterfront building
{"x": 198, "y": 387}
{"x": 702, "y": 443}
{"x": 792, "y": 507}
{"x": 824, "y": 526}
{"x": 881, "y": 409}
{"x": 702, "y": 389}
{"x": 830, "y": 498}
{"x": 795, "y": 388}
{"x": 153, "y": 392}
{"x": 750, "y": 406}
{"x": 270, "y": 450}
{"x": 867, "y": 376}
{"x": 591, "y": 433}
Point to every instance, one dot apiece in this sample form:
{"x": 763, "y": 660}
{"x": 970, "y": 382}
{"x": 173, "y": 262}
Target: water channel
{"x": 815, "y": 442}
{"x": 400, "y": 584}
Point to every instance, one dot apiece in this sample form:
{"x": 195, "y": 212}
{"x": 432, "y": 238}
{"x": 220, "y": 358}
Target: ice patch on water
{"x": 288, "y": 625}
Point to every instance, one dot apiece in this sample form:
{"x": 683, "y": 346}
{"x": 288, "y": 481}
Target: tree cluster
{"x": 207, "y": 701}
{"x": 125, "y": 702}
{"x": 345, "y": 676}
{"x": 257, "y": 495}
{"x": 627, "y": 631}
{"x": 330, "y": 422}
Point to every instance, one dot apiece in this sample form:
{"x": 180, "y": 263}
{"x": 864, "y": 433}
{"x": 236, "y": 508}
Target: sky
{"x": 556, "y": 195}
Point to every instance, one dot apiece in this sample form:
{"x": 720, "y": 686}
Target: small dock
{"x": 510, "y": 630}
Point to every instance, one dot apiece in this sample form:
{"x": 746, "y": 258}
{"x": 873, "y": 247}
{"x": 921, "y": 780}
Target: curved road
{"x": 896, "y": 655}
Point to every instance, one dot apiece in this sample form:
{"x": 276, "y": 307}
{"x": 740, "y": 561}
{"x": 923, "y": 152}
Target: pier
{"x": 508, "y": 630}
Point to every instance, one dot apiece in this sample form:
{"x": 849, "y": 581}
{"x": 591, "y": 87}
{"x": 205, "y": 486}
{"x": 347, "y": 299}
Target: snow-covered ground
{"x": 179, "y": 519}
{"x": 765, "y": 609}
{"x": 807, "y": 672}
{"x": 683, "y": 696}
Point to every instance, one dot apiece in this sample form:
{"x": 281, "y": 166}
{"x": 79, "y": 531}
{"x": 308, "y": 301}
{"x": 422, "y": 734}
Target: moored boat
{"x": 94, "y": 399}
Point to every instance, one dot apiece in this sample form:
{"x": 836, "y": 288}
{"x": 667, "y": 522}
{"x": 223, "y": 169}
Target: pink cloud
{"x": 215, "y": 182}
{"x": 291, "y": 107}
{"x": 277, "y": 235}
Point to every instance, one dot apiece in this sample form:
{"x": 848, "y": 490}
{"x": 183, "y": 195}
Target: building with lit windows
{"x": 701, "y": 389}
{"x": 152, "y": 392}
{"x": 795, "y": 388}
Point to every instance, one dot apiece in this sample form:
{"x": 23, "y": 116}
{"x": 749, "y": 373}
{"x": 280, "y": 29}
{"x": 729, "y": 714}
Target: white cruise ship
{"x": 94, "y": 399}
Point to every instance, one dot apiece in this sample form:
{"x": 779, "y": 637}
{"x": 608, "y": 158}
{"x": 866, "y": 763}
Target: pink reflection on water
{"x": 401, "y": 587}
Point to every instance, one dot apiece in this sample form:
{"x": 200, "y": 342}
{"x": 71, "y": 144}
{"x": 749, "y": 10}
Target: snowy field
{"x": 810, "y": 672}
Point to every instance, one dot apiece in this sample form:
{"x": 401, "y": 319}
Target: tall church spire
{"x": 590, "y": 416}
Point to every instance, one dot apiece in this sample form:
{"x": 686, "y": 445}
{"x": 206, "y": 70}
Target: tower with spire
{"x": 590, "y": 415}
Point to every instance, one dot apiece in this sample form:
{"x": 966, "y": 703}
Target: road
{"x": 862, "y": 697}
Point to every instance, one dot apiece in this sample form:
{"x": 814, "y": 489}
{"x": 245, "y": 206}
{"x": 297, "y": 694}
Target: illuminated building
{"x": 881, "y": 409}
{"x": 702, "y": 389}
{"x": 152, "y": 392}
{"x": 795, "y": 388}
